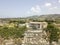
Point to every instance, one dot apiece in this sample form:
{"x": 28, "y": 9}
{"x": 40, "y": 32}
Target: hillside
{"x": 35, "y": 17}
{"x": 49, "y": 16}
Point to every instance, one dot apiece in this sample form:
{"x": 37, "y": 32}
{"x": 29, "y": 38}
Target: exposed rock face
{"x": 10, "y": 41}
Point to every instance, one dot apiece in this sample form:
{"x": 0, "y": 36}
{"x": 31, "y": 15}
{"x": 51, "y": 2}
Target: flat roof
{"x": 38, "y": 22}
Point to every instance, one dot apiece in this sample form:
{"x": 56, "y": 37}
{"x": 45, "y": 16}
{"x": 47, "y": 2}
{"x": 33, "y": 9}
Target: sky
{"x": 24, "y": 8}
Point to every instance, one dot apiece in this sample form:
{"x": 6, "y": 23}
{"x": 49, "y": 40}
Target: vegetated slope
{"x": 38, "y": 17}
{"x": 49, "y": 16}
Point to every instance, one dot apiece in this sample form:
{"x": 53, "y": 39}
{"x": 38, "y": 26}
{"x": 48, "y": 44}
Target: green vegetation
{"x": 13, "y": 30}
{"x": 53, "y": 33}
{"x": 6, "y": 32}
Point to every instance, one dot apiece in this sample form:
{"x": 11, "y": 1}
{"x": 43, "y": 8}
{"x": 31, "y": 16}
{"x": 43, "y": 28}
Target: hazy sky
{"x": 23, "y": 8}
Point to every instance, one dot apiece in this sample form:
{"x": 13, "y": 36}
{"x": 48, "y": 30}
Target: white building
{"x": 37, "y": 25}
{"x": 35, "y": 34}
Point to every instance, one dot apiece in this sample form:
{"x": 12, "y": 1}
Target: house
{"x": 37, "y": 25}
{"x": 35, "y": 35}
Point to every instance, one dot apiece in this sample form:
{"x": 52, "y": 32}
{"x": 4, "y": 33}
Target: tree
{"x": 54, "y": 33}
{"x": 6, "y": 32}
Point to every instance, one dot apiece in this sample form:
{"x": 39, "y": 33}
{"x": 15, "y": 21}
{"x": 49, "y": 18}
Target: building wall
{"x": 37, "y": 24}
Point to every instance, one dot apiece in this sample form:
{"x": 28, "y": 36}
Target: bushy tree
{"x": 6, "y": 32}
{"x": 54, "y": 33}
